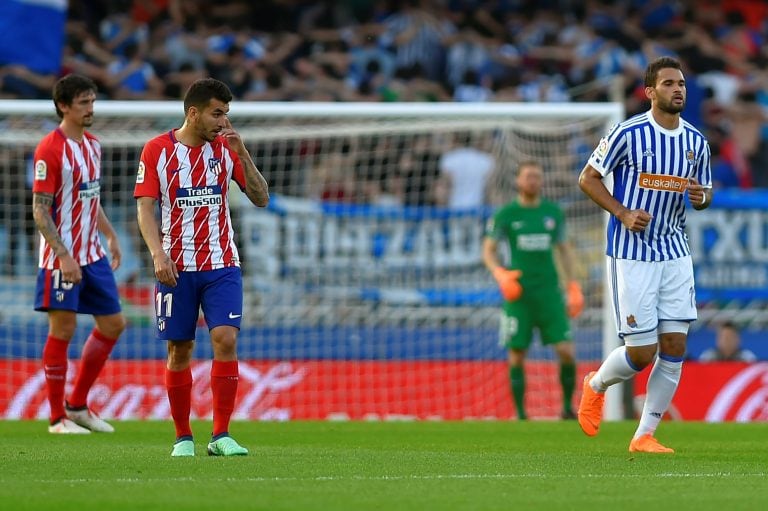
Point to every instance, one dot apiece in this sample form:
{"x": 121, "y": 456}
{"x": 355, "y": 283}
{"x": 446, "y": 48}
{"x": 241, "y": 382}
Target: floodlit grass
{"x": 400, "y": 466}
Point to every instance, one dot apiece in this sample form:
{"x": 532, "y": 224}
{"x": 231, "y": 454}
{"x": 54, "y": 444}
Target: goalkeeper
{"x": 531, "y": 287}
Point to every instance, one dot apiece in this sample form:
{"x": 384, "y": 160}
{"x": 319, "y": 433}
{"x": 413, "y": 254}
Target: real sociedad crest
{"x": 214, "y": 165}
{"x": 690, "y": 156}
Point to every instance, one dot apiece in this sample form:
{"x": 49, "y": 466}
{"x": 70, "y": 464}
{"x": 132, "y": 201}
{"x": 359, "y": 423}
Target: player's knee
{"x": 113, "y": 326}
{"x": 641, "y": 356}
{"x": 224, "y": 346}
{"x": 62, "y": 326}
{"x": 180, "y": 354}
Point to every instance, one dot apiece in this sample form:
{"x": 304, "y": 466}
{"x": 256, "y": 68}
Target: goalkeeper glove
{"x": 508, "y": 284}
{"x": 575, "y": 299}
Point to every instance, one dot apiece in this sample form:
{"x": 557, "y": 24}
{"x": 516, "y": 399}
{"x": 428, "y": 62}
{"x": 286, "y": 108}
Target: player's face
{"x": 211, "y": 120}
{"x": 530, "y": 180}
{"x": 669, "y": 93}
{"x": 80, "y": 112}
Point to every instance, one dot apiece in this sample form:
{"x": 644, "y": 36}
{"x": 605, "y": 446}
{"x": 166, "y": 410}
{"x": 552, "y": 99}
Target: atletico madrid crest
{"x": 214, "y": 165}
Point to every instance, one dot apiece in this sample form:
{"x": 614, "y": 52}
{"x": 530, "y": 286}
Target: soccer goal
{"x": 365, "y": 293}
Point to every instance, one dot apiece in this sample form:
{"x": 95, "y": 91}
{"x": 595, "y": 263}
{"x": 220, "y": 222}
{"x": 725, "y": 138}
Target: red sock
{"x": 55, "y": 367}
{"x": 179, "y": 387}
{"x": 224, "y": 378}
{"x": 96, "y": 350}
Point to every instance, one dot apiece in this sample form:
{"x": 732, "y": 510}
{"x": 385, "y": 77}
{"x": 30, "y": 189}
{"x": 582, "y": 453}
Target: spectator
{"x": 728, "y": 346}
{"x": 464, "y": 171}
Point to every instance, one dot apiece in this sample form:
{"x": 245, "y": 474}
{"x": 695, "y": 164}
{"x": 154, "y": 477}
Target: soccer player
{"x": 655, "y": 157}
{"x": 187, "y": 171}
{"x": 534, "y": 228}
{"x": 74, "y": 274}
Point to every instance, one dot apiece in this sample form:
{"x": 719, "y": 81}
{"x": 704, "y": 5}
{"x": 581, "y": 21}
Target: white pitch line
{"x": 428, "y": 477}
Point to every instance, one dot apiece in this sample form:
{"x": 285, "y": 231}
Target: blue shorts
{"x": 96, "y": 294}
{"x": 218, "y": 292}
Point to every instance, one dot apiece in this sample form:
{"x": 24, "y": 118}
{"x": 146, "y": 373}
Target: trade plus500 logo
{"x": 89, "y": 190}
{"x": 199, "y": 197}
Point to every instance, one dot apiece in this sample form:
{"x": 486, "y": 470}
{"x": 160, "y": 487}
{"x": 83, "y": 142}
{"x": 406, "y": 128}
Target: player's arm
{"x": 564, "y": 257}
{"x": 699, "y": 196}
{"x": 113, "y": 244}
{"x": 507, "y": 279}
{"x": 591, "y": 183}
{"x": 256, "y": 188}
{"x": 41, "y": 213}
{"x": 165, "y": 271}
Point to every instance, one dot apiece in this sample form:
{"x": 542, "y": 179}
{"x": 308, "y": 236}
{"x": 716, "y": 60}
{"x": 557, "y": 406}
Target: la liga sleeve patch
{"x": 41, "y": 170}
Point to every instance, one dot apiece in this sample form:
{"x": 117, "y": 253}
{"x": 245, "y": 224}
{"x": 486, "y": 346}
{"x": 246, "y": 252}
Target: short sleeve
{"x": 47, "y": 169}
{"x": 147, "y": 182}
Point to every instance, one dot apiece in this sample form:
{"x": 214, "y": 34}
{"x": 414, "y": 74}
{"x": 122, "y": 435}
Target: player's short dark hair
{"x": 652, "y": 71}
{"x": 202, "y": 91}
{"x": 67, "y": 88}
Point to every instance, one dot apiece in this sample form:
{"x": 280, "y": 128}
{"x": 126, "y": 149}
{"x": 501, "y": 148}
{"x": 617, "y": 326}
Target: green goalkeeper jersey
{"x": 532, "y": 233}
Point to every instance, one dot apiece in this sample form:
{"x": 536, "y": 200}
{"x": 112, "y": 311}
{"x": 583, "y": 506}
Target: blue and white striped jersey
{"x": 651, "y": 166}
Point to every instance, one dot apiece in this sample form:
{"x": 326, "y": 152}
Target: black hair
{"x": 652, "y": 71}
{"x": 202, "y": 91}
{"x": 67, "y": 88}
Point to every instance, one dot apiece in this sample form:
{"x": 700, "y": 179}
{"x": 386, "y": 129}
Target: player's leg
{"x": 62, "y": 325}
{"x": 60, "y": 300}
{"x": 661, "y": 387}
{"x": 515, "y": 333}
{"x": 634, "y": 286}
{"x": 677, "y": 300}
{"x": 552, "y": 321}
{"x": 516, "y": 359}
{"x": 178, "y": 386}
{"x": 99, "y": 297}
{"x": 566, "y": 354}
{"x": 176, "y": 310}
{"x": 222, "y": 304}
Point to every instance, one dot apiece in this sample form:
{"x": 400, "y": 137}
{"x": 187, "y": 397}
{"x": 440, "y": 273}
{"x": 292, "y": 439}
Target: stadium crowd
{"x": 433, "y": 50}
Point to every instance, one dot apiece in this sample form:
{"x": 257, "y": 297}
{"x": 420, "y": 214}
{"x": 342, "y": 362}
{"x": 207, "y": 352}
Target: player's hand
{"x": 165, "y": 271}
{"x": 70, "y": 270}
{"x": 696, "y": 193}
{"x": 232, "y": 136}
{"x": 575, "y": 299}
{"x": 114, "y": 250}
{"x": 635, "y": 220}
{"x": 510, "y": 288}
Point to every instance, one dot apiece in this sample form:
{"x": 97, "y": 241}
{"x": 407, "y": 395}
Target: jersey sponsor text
{"x": 199, "y": 197}
{"x": 662, "y": 183}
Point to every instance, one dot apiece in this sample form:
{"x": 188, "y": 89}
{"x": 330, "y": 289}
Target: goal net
{"x": 365, "y": 293}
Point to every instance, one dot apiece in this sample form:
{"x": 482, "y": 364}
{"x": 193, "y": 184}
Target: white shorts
{"x": 647, "y": 293}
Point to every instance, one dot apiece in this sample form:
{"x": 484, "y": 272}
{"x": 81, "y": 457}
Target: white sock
{"x": 662, "y": 384}
{"x": 614, "y": 369}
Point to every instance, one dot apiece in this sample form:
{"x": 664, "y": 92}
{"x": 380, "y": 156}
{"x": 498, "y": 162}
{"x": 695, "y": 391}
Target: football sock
{"x": 224, "y": 379}
{"x": 178, "y": 384}
{"x": 661, "y": 387}
{"x": 96, "y": 350}
{"x": 517, "y": 384}
{"x": 55, "y": 367}
{"x": 614, "y": 369}
{"x": 568, "y": 382}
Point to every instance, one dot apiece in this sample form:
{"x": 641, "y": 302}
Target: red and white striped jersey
{"x": 191, "y": 185}
{"x": 70, "y": 171}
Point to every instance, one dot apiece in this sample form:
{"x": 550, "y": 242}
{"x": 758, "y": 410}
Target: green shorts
{"x": 542, "y": 309}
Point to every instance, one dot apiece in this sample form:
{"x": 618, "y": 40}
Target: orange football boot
{"x": 647, "y": 443}
{"x": 590, "y": 408}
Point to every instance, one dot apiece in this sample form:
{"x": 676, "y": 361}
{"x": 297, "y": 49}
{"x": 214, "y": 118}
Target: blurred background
{"x": 367, "y": 263}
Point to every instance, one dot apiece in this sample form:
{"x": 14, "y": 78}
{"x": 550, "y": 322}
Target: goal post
{"x": 365, "y": 293}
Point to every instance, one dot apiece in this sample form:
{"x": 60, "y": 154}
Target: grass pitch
{"x": 402, "y": 466}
